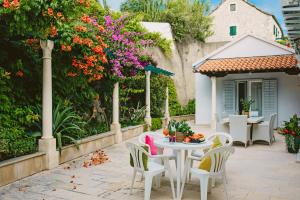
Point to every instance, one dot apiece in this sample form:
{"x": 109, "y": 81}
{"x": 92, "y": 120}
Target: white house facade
{"x": 248, "y": 67}
{"x": 234, "y": 18}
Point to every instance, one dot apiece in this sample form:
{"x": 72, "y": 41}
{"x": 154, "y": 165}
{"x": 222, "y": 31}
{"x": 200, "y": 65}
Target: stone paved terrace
{"x": 259, "y": 172}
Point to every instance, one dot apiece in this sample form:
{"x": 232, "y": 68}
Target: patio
{"x": 258, "y": 172}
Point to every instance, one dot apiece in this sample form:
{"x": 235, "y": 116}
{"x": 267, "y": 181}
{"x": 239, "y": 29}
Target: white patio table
{"x": 250, "y": 120}
{"x": 180, "y": 150}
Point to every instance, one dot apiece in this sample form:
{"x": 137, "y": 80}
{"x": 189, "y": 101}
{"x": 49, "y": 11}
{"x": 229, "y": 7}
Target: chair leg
{"x": 133, "y": 179}
{"x": 189, "y": 172}
{"x": 157, "y": 180}
{"x": 168, "y": 168}
{"x": 225, "y": 186}
{"x": 148, "y": 187}
{"x": 186, "y": 172}
{"x": 204, "y": 186}
{"x": 213, "y": 182}
{"x": 225, "y": 175}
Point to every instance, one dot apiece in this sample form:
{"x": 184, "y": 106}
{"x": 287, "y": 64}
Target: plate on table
{"x": 194, "y": 143}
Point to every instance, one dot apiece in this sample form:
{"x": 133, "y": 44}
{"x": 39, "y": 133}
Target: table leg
{"x": 178, "y": 174}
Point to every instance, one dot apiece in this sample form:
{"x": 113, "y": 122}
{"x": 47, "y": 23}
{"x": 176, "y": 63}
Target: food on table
{"x": 187, "y": 140}
{"x": 197, "y": 137}
{"x": 166, "y": 132}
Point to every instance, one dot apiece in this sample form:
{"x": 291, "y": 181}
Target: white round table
{"x": 180, "y": 149}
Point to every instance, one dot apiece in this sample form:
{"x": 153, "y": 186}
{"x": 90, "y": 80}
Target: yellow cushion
{"x": 205, "y": 164}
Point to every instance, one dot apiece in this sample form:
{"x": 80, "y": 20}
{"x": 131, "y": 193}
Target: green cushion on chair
{"x": 144, "y": 157}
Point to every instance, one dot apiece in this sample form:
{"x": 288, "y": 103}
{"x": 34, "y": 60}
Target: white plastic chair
{"x": 226, "y": 140}
{"x": 221, "y": 127}
{"x": 264, "y": 131}
{"x": 239, "y": 130}
{"x": 218, "y": 157}
{"x": 141, "y": 140}
{"x": 154, "y": 168}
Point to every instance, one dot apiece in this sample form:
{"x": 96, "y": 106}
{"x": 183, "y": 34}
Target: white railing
{"x": 290, "y": 3}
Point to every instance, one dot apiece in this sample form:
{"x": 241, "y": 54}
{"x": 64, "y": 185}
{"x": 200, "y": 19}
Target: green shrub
{"x": 15, "y": 142}
{"x": 156, "y": 124}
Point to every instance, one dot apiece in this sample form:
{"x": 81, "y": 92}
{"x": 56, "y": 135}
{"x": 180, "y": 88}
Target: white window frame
{"x": 248, "y": 81}
{"x": 234, "y": 7}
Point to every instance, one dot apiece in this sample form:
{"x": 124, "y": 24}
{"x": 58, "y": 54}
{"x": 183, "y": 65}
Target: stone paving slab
{"x": 259, "y": 172}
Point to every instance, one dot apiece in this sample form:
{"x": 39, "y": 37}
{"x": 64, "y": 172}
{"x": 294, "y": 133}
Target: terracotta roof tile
{"x": 280, "y": 63}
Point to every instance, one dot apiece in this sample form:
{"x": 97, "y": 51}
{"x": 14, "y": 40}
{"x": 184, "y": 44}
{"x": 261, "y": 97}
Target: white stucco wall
{"x": 248, "y": 20}
{"x": 288, "y": 94}
{"x": 250, "y": 46}
{"x": 181, "y": 60}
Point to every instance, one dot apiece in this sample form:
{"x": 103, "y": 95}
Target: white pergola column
{"x": 148, "y": 109}
{"x": 167, "y": 113}
{"x": 47, "y": 144}
{"x": 115, "y": 126}
{"x": 213, "y": 103}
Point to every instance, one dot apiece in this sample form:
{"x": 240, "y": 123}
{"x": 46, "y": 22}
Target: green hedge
{"x": 156, "y": 124}
{"x": 15, "y": 142}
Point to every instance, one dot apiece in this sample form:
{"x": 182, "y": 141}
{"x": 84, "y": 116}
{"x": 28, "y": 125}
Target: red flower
{"x": 59, "y": 14}
{"x": 53, "y": 31}
{"x": 86, "y": 19}
{"x": 71, "y": 74}
{"x": 81, "y": 28}
{"x": 20, "y": 73}
{"x": 67, "y": 48}
{"x": 293, "y": 133}
{"x": 6, "y": 4}
{"x": 77, "y": 40}
{"x": 50, "y": 11}
{"x": 285, "y": 131}
{"x": 98, "y": 50}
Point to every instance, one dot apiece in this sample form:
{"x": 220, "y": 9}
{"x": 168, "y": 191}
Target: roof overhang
{"x": 158, "y": 70}
{"x": 222, "y": 67}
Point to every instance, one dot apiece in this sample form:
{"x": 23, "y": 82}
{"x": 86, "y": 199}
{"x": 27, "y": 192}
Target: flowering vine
{"x": 126, "y": 53}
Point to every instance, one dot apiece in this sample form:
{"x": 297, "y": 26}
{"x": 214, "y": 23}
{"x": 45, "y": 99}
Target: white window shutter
{"x": 270, "y": 95}
{"x": 229, "y": 97}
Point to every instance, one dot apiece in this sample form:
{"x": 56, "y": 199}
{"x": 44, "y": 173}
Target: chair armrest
{"x": 160, "y": 156}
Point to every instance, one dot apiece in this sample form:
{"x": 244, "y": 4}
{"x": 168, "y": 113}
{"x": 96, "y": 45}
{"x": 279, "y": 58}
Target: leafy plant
{"x": 188, "y": 19}
{"x": 15, "y": 142}
{"x": 156, "y": 124}
{"x": 67, "y": 124}
{"x": 291, "y": 131}
{"x": 247, "y": 104}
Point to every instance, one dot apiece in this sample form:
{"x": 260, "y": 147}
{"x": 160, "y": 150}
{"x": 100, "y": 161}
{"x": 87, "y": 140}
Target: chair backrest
{"x": 225, "y": 138}
{"x": 137, "y": 153}
{"x": 219, "y": 157}
{"x": 238, "y": 126}
{"x": 272, "y": 123}
{"x": 141, "y": 138}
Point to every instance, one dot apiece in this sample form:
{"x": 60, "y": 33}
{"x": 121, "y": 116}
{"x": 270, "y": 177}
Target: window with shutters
{"x": 233, "y": 7}
{"x": 263, "y": 92}
{"x": 232, "y": 30}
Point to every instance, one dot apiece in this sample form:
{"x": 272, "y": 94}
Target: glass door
{"x": 242, "y": 93}
{"x": 255, "y": 93}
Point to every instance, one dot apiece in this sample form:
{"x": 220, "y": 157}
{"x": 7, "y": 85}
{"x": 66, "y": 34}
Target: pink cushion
{"x": 150, "y": 141}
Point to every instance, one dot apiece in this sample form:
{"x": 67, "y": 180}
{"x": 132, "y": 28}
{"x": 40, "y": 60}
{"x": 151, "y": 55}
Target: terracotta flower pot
{"x": 179, "y": 137}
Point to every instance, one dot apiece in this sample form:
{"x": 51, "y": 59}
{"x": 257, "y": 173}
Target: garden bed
{"x": 184, "y": 117}
{"x": 93, "y": 143}
{"x": 17, "y": 168}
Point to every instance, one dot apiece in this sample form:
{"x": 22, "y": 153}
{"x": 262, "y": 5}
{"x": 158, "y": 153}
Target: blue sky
{"x": 271, "y": 6}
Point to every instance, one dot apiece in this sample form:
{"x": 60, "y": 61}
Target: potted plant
{"x": 291, "y": 131}
{"x": 246, "y": 104}
{"x": 172, "y": 130}
{"x": 183, "y": 130}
